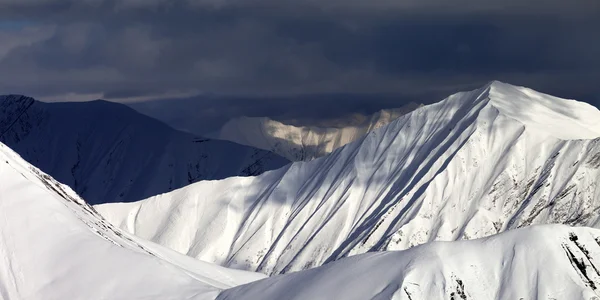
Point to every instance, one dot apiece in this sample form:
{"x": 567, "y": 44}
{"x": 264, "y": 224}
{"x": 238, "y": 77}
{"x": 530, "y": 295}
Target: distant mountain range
{"x": 303, "y": 143}
{"x": 107, "y": 152}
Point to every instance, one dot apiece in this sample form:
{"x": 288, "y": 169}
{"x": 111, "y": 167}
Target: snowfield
{"x": 55, "y": 246}
{"x": 537, "y": 262}
{"x": 107, "y": 152}
{"x": 473, "y": 165}
{"x": 302, "y": 143}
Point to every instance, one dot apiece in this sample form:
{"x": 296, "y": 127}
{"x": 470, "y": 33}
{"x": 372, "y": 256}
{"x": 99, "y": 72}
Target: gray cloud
{"x": 128, "y": 50}
{"x": 325, "y": 6}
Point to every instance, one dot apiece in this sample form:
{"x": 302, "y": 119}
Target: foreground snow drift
{"x": 472, "y": 165}
{"x": 538, "y": 262}
{"x": 55, "y": 246}
{"x": 107, "y": 152}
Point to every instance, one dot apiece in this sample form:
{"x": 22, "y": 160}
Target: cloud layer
{"x": 147, "y": 49}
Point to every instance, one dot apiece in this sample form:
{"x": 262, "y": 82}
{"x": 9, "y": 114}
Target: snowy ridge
{"x": 469, "y": 166}
{"x": 55, "y": 246}
{"x": 537, "y": 262}
{"x": 107, "y": 152}
{"x": 563, "y": 119}
{"x": 302, "y": 143}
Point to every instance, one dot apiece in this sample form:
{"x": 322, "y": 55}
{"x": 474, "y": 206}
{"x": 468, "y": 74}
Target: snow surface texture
{"x": 107, "y": 152}
{"x": 472, "y": 165}
{"x": 55, "y": 246}
{"x": 537, "y": 262}
{"x": 302, "y": 143}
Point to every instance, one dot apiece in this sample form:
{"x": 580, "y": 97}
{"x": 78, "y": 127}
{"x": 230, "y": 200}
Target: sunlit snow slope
{"x": 55, "y": 246}
{"x": 472, "y": 165}
{"x": 107, "y": 152}
{"x": 538, "y": 262}
{"x": 302, "y": 143}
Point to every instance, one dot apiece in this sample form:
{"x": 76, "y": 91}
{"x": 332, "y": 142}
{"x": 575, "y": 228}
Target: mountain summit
{"x": 475, "y": 164}
{"x": 560, "y": 118}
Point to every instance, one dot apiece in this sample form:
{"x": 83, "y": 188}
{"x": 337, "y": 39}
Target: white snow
{"x": 306, "y": 142}
{"x": 563, "y": 119}
{"x": 469, "y": 166}
{"x": 538, "y": 262}
{"x": 55, "y": 246}
{"x": 107, "y": 152}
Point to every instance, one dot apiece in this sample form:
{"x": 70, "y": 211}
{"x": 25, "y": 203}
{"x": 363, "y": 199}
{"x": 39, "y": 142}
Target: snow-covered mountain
{"x": 302, "y": 143}
{"x": 401, "y": 185}
{"x": 107, "y": 152}
{"x": 475, "y": 164}
{"x": 53, "y": 245}
{"x": 537, "y": 262}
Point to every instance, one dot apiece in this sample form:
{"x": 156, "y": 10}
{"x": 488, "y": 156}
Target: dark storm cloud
{"x": 416, "y": 50}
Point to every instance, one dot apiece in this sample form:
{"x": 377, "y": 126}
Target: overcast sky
{"x": 127, "y": 50}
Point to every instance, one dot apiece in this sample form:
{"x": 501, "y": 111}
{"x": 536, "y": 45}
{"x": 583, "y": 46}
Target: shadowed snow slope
{"x": 472, "y": 165}
{"x": 538, "y": 262}
{"x": 107, "y": 152}
{"x": 55, "y": 246}
{"x": 302, "y": 143}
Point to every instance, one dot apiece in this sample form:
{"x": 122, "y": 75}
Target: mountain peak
{"x": 498, "y": 83}
{"x": 557, "y": 117}
{"x": 472, "y": 165}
